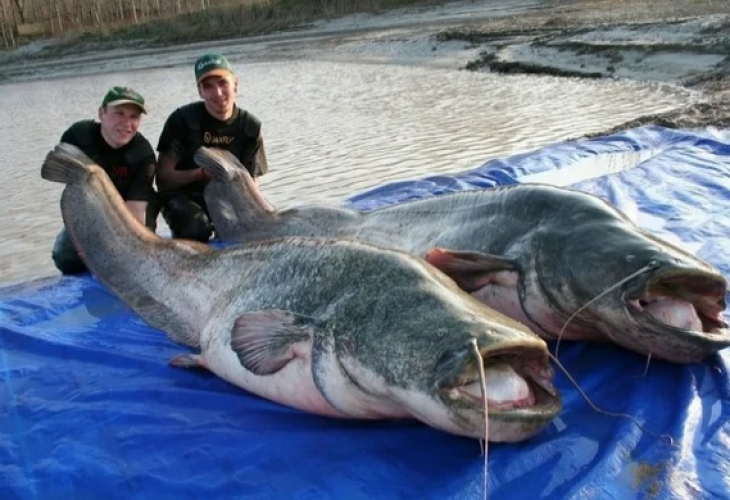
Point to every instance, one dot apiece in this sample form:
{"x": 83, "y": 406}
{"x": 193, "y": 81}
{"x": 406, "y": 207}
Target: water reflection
{"x": 332, "y": 129}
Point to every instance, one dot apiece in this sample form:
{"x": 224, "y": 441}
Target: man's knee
{"x": 198, "y": 229}
{"x": 65, "y": 257}
{"x": 153, "y": 211}
{"x": 187, "y": 219}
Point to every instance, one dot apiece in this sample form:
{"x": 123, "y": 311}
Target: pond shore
{"x": 677, "y": 42}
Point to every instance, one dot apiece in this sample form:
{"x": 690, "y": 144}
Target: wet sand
{"x": 677, "y": 42}
{"x": 682, "y": 42}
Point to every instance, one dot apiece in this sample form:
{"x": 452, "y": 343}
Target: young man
{"x": 215, "y": 121}
{"x": 127, "y": 157}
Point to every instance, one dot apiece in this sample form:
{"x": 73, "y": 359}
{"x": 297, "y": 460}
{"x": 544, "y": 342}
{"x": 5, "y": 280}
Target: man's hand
{"x": 204, "y": 175}
{"x": 138, "y": 210}
{"x": 169, "y": 178}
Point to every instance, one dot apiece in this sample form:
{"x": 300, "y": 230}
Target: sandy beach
{"x": 677, "y": 42}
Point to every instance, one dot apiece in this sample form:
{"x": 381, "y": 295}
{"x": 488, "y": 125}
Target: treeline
{"x": 24, "y": 20}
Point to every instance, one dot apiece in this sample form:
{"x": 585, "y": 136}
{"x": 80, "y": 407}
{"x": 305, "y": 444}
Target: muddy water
{"x": 331, "y": 128}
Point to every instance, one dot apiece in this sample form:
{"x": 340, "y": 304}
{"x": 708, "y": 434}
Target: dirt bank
{"x": 681, "y": 42}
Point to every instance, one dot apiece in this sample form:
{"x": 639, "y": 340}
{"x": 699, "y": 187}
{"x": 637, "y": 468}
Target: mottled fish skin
{"x": 536, "y": 253}
{"x": 334, "y": 327}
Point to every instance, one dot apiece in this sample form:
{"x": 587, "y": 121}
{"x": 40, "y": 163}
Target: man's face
{"x": 119, "y": 124}
{"x": 219, "y": 95}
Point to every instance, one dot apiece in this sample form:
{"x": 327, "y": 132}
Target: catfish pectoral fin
{"x": 470, "y": 270}
{"x": 266, "y": 341}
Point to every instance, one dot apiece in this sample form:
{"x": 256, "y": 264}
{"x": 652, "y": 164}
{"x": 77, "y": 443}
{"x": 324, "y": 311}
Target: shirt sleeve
{"x": 172, "y": 136}
{"x": 260, "y": 163}
{"x": 70, "y": 136}
{"x": 143, "y": 174}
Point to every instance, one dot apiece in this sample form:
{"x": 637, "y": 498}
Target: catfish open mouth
{"x": 684, "y": 300}
{"x": 516, "y": 385}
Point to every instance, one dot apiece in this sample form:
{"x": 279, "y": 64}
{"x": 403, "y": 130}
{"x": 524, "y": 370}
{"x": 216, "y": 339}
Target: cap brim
{"x": 126, "y": 101}
{"x": 215, "y": 72}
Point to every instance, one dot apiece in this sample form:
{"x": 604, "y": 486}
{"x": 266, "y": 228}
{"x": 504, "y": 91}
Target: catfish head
{"x": 604, "y": 280}
{"x": 639, "y": 291}
{"x": 418, "y": 344}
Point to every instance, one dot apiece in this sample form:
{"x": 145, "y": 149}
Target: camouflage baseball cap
{"x": 211, "y": 65}
{"x": 123, "y": 95}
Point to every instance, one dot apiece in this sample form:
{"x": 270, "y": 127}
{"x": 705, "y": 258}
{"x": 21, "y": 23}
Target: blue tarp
{"x": 89, "y": 408}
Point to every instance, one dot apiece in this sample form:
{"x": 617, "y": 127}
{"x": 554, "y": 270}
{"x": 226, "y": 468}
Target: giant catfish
{"x": 337, "y": 328}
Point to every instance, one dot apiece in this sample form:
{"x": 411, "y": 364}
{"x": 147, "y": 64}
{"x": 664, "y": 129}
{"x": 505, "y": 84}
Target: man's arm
{"x": 261, "y": 164}
{"x": 171, "y": 151}
{"x": 139, "y": 210}
{"x": 168, "y": 178}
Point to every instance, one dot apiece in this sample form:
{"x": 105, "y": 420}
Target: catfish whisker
{"x": 648, "y": 267}
{"x": 646, "y": 367}
{"x": 483, "y": 385}
{"x": 627, "y": 416}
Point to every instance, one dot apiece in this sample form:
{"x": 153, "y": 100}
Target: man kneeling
{"x": 127, "y": 157}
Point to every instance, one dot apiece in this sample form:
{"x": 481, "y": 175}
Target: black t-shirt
{"x": 191, "y": 126}
{"x": 131, "y": 168}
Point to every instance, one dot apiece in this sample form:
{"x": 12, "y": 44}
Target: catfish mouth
{"x": 686, "y": 307}
{"x": 521, "y": 398}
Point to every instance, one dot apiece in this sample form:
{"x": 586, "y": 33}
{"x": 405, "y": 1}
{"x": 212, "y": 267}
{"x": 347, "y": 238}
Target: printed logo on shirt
{"x": 121, "y": 172}
{"x": 217, "y": 140}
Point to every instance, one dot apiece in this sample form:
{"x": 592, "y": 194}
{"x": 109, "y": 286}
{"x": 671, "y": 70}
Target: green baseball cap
{"x": 211, "y": 65}
{"x": 123, "y": 95}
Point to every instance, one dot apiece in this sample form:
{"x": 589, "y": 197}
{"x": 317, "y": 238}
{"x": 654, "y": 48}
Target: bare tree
{"x": 59, "y": 16}
{"x": 97, "y": 12}
{"x": 57, "y": 5}
{"x": 7, "y": 25}
{"x": 19, "y": 10}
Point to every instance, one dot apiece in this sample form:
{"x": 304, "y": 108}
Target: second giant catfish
{"x": 563, "y": 262}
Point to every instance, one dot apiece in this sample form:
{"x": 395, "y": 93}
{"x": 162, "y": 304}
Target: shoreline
{"x": 677, "y": 42}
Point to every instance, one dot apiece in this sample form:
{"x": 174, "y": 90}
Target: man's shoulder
{"x": 82, "y": 129}
{"x": 193, "y": 110}
{"x": 189, "y": 115}
{"x": 141, "y": 143}
{"x": 191, "y": 106}
{"x": 248, "y": 123}
{"x": 85, "y": 135}
{"x": 84, "y": 125}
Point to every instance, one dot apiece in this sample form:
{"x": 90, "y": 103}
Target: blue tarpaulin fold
{"x": 90, "y": 409}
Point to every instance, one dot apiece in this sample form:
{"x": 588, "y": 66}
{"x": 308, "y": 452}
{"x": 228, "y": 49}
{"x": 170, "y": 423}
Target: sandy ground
{"x": 679, "y": 42}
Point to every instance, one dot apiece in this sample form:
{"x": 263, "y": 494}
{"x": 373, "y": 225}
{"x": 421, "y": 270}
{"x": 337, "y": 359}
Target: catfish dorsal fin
{"x": 266, "y": 341}
{"x": 470, "y": 270}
